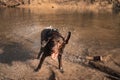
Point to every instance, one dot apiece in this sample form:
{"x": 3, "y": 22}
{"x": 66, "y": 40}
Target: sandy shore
{"x": 18, "y": 60}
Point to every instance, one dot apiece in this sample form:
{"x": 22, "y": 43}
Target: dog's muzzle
{"x": 56, "y": 49}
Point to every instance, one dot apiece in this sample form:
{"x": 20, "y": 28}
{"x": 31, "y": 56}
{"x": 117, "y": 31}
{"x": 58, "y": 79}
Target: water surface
{"x": 97, "y": 33}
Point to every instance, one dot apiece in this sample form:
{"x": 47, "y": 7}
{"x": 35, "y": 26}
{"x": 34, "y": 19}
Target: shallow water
{"x": 94, "y": 33}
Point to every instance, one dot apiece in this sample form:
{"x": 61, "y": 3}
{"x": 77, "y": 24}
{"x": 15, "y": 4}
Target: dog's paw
{"x": 61, "y": 70}
{"x": 36, "y": 70}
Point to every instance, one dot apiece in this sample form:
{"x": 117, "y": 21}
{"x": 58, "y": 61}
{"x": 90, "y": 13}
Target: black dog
{"x": 52, "y": 44}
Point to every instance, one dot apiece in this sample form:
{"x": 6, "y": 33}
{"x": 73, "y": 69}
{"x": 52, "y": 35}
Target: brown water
{"x": 92, "y": 34}
{"x": 89, "y": 30}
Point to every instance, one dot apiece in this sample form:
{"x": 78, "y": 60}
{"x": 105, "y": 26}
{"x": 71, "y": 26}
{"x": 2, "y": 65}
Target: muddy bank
{"x": 18, "y": 59}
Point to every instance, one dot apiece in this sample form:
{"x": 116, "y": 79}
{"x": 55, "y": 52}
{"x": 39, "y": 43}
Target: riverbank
{"x": 68, "y": 8}
{"x": 63, "y": 6}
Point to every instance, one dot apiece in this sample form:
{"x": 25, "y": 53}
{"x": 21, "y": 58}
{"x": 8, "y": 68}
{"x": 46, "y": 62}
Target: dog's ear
{"x": 68, "y": 37}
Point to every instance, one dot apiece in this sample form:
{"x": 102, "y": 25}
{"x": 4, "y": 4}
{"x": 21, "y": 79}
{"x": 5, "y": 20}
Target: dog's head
{"x": 54, "y": 44}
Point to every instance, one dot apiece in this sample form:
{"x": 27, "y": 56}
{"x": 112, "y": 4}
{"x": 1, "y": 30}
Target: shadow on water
{"x": 99, "y": 66}
{"x": 112, "y": 78}
{"x": 118, "y": 64}
{"x": 13, "y": 51}
{"x": 111, "y": 73}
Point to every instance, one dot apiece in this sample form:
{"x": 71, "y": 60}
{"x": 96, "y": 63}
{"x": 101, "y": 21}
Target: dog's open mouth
{"x": 55, "y": 51}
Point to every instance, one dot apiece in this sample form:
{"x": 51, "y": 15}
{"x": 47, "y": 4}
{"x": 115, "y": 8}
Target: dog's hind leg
{"x": 42, "y": 58}
{"x": 60, "y": 63}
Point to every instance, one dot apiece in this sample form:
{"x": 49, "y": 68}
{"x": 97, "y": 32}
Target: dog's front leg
{"x": 41, "y": 49}
{"x": 60, "y": 62}
{"x": 40, "y": 53}
{"x": 42, "y": 58}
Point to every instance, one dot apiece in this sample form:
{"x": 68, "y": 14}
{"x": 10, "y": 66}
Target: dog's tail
{"x": 68, "y": 37}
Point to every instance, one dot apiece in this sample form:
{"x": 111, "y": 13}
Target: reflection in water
{"x": 97, "y": 32}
